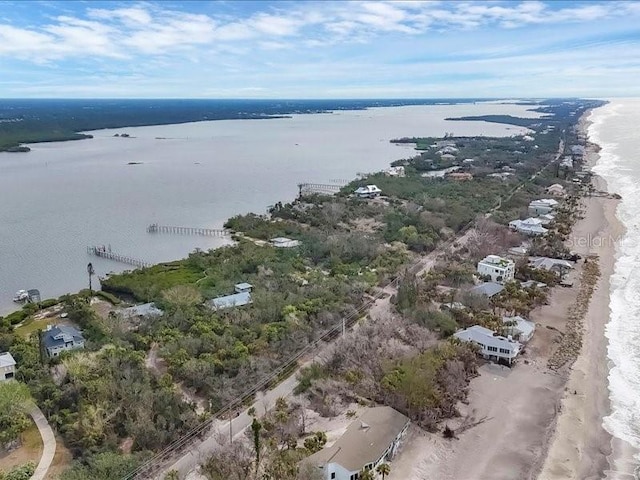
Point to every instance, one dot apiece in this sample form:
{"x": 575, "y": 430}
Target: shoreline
{"x": 579, "y": 446}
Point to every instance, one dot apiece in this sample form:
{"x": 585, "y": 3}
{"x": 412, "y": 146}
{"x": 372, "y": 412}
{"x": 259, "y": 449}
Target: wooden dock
{"x": 102, "y": 251}
{"x": 207, "y": 232}
{"x": 324, "y": 188}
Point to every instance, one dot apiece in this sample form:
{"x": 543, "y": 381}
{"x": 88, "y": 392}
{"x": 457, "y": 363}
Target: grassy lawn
{"x": 29, "y": 451}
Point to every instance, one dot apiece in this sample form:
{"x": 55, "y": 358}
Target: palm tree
{"x": 91, "y": 272}
{"x": 366, "y": 475}
{"x": 383, "y": 469}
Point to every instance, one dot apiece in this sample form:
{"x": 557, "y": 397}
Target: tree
{"x": 91, "y": 272}
{"x": 366, "y": 475}
{"x": 383, "y": 469}
{"x": 316, "y": 442}
{"x": 15, "y": 405}
{"x": 256, "y": 426}
{"x": 172, "y": 475}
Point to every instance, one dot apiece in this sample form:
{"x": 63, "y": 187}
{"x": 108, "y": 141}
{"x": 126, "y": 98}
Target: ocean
{"x": 62, "y": 197}
{"x": 615, "y": 129}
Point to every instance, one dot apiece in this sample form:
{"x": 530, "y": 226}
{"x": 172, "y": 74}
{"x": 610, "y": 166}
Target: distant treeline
{"x": 46, "y": 120}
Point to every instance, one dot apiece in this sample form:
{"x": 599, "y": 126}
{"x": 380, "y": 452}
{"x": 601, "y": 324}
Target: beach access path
{"x": 48, "y": 443}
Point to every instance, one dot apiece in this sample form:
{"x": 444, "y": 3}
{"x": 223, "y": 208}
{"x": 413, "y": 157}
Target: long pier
{"x": 104, "y": 252}
{"x": 207, "y": 232}
{"x": 327, "y": 188}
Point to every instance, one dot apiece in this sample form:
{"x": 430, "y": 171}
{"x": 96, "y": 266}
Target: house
{"x": 519, "y": 328}
{"x": 448, "y": 150}
{"x": 283, "y": 242}
{"x": 61, "y": 338}
{"x": 395, "y": 171}
{"x": 501, "y": 175}
{"x": 488, "y": 289}
{"x": 372, "y": 439}
{"x": 577, "y": 151}
{"x": 556, "y": 190}
{"x": 370, "y": 191}
{"x": 492, "y": 346}
{"x": 567, "y": 162}
{"x": 444, "y": 144}
{"x": 7, "y": 367}
{"x": 547, "y": 218}
{"x": 519, "y": 251}
{"x": 531, "y": 227}
{"x": 459, "y": 176}
{"x": 532, "y": 283}
{"x": 468, "y": 161}
{"x": 240, "y": 298}
{"x": 499, "y": 269}
{"x": 542, "y": 206}
{"x": 144, "y": 310}
{"x": 447, "y": 157}
{"x": 555, "y": 265}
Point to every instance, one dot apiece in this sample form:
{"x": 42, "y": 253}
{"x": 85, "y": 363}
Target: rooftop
{"x": 58, "y": 335}
{"x": 7, "y": 360}
{"x": 365, "y": 440}
{"x": 496, "y": 260}
{"x": 488, "y": 289}
{"x": 144, "y": 310}
{"x": 229, "y": 301}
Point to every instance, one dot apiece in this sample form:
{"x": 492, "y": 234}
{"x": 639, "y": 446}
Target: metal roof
{"x": 60, "y": 334}
{"x": 229, "y": 301}
{"x": 7, "y": 360}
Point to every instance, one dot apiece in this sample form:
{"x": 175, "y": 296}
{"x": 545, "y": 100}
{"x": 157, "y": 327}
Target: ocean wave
{"x": 613, "y": 130}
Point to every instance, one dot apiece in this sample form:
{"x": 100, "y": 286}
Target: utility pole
{"x": 230, "y": 428}
{"x": 344, "y": 326}
{"x": 90, "y": 271}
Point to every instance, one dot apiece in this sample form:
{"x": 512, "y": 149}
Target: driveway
{"x": 48, "y": 443}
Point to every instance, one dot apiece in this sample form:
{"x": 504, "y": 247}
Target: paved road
{"x": 48, "y": 442}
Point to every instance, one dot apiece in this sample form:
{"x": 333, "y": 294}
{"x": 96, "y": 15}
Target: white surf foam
{"x": 614, "y": 129}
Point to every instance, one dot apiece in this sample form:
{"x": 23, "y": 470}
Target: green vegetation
{"x": 15, "y": 405}
{"x": 22, "y": 472}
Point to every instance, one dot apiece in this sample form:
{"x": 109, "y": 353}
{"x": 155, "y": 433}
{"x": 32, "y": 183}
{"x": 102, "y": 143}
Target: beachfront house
{"x": 61, "y": 338}
{"x": 492, "y": 346}
{"x": 542, "y": 206}
{"x": 531, "y": 227}
{"x": 284, "y": 242}
{"x": 498, "y": 269}
{"x": 7, "y": 367}
{"x": 142, "y": 311}
{"x": 372, "y": 439}
{"x": 556, "y": 190}
{"x": 369, "y": 191}
{"x": 487, "y": 289}
{"x": 240, "y": 298}
{"x": 556, "y": 265}
{"x": 519, "y": 328}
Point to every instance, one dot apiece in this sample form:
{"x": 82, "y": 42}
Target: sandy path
{"x": 48, "y": 441}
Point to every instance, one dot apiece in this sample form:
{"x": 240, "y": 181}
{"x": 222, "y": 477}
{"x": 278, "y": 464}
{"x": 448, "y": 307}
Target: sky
{"x": 266, "y": 49}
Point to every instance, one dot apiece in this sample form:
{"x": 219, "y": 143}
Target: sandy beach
{"x": 532, "y": 422}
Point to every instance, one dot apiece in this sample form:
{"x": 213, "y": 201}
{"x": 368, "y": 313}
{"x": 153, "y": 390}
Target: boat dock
{"x": 104, "y": 252}
{"x": 207, "y": 232}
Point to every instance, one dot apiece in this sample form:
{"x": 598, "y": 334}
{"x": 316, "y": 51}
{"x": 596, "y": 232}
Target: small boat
{"x": 21, "y": 296}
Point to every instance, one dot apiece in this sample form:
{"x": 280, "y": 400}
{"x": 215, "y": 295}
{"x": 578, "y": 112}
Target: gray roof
{"x": 486, "y": 337}
{"x": 243, "y": 286}
{"x": 365, "y": 440}
{"x": 58, "y": 335}
{"x": 522, "y": 325}
{"x": 488, "y": 289}
{"x": 547, "y": 263}
{"x": 144, "y": 310}
{"x": 229, "y": 301}
{"x": 7, "y": 360}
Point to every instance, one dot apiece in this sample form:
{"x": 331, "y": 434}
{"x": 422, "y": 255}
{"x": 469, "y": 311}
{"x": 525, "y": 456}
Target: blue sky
{"x": 262, "y": 49}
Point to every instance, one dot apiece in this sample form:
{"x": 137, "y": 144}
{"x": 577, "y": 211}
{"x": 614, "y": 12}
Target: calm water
{"x": 61, "y": 197}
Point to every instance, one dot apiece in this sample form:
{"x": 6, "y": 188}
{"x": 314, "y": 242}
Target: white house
{"x": 531, "y": 227}
{"x": 519, "y": 328}
{"x": 492, "y": 346}
{"x": 500, "y": 269}
{"x": 556, "y": 190}
{"x": 283, "y": 242}
{"x": 542, "y": 206}
{"x": 370, "y": 191}
{"x": 7, "y": 367}
{"x": 143, "y": 310}
{"x": 372, "y": 439}
{"x": 240, "y": 298}
{"x": 395, "y": 171}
